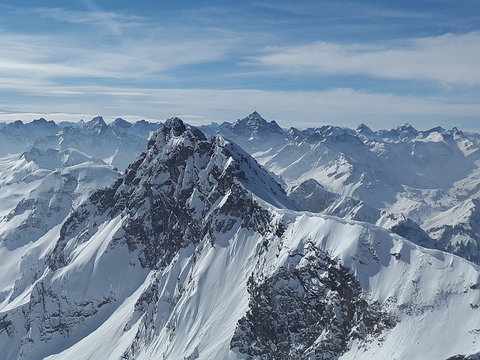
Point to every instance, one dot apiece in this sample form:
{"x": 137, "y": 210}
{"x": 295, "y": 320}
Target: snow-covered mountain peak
{"x": 330, "y": 133}
{"x": 144, "y": 128}
{"x": 403, "y": 133}
{"x": 72, "y": 157}
{"x": 293, "y": 133}
{"x": 334, "y": 131}
{"x": 253, "y": 119}
{"x": 177, "y": 188}
{"x": 432, "y": 137}
{"x": 121, "y": 123}
{"x": 365, "y": 130}
{"x": 406, "y": 127}
{"x": 407, "y": 131}
{"x": 425, "y": 133}
{"x": 174, "y": 128}
{"x": 174, "y": 125}
{"x": 175, "y": 142}
{"x": 253, "y": 133}
{"x": 53, "y": 159}
{"x": 255, "y": 122}
{"x": 363, "y": 127}
{"x": 42, "y": 122}
{"x": 96, "y": 122}
{"x": 367, "y": 134}
{"x": 48, "y": 159}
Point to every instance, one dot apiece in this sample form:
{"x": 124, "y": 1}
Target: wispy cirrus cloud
{"x": 448, "y": 59}
{"x": 47, "y": 57}
{"x": 106, "y": 46}
{"x": 109, "y": 22}
{"x": 86, "y": 17}
{"x": 342, "y": 10}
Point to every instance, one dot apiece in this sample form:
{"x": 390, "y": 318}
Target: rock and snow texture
{"x": 197, "y": 253}
{"x": 39, "y": 188}
{"x": 253, "y": 133}
{"x": 182, "y": 192}
{"x": 312, "y": 196}
{"x": 118, "y": 143}
{"x": 423, "y": 185}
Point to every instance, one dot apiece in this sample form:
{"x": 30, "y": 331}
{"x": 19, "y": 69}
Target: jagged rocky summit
{"x": 171, "y": 195}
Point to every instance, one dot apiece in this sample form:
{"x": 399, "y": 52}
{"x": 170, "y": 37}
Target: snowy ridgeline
{"x": 338, "y": 247}
{"x": 117, "y": 143}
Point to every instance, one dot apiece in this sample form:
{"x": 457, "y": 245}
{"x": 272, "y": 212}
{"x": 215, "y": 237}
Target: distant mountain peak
{"x": 96, "y": 122}
{"x": 255, "y": 116}
{"x": 140, "y": 123}
{"x": 364, "y": 128}
{"x": 438, "y": 129}
{"x": 255, "y": 122}
{"x": 254, "y": 119}
{"x": 121, "y": 123}
{"x": 407, "y": 127}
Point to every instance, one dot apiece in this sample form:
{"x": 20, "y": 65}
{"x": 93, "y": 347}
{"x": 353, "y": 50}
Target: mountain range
{"x": 238, "y": 241}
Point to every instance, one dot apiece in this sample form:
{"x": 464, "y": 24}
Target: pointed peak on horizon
{"x": 252, "y": 118}
{"x": 406, "y": 127}
{"x": 121, "y": 122}
{"x": 96, "y": 121}
{"x": 362, "y": 127}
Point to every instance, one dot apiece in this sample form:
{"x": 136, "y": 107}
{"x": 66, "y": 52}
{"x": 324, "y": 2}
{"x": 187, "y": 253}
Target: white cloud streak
{"x": 54, "y": 57}
{"x": 338, "y": 106}
{"x": 97, "y": 18}
{"x": 448, "y": 59}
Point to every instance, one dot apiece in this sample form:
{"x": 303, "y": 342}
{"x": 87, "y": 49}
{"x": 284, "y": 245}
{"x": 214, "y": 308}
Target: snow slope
{"x": 417, "y": 177}
{"x": 197, "y": 253}
{"x": 38, "y": 190}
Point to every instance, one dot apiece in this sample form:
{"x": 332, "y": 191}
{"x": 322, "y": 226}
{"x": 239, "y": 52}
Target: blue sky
{"x": 305, "y": 63}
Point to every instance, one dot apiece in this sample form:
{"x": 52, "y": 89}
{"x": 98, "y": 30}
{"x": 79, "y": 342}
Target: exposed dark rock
{"x": 311, "y": 308}
{"x": 465, "y": 357}
{"x": 6, "y": 325}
